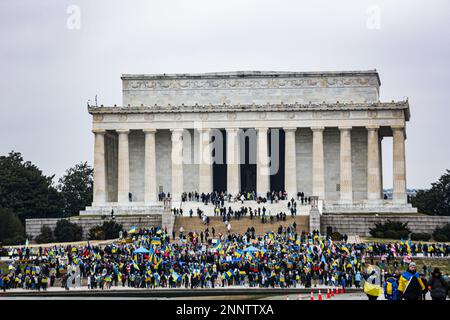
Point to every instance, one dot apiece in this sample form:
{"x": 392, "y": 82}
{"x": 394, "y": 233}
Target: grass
{"x": 3, "y": 267}
{"x": 442, "y": 263}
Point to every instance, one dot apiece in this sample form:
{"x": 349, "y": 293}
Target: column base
{"x": 374, "y": 202}
{"x": 400, "y": 199}
{"x": 345, "y": 202}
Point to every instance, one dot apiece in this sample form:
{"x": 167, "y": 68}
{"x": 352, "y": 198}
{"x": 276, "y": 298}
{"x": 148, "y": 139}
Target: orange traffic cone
{"x": 319, "y": 296}
{"x": 328, "y": 293}
{"x": 332, "y": 292}
{"x": 342, "y": 290}
{"x": 336, "y": 291}
{"x": 311, "y": 298}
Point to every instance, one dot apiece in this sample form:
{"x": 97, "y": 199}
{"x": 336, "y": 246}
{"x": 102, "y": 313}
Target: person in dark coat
{"x": 437, "y": 285}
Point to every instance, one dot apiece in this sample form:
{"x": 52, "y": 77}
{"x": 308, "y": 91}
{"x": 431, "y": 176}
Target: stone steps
{"x": 238, "y": 226}
{"x": 135, "y": 209}
{"x": 275, "y": 208}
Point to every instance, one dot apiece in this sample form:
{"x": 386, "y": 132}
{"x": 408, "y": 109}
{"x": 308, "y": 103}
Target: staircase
{"x": 275, "y": 208}
{"x": 238, "y": 226}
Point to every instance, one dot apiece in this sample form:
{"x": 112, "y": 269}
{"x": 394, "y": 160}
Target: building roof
{"x": 251, "y": 74}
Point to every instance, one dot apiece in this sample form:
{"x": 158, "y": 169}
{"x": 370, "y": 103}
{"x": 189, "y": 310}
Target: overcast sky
{"x": 50, "y": 67}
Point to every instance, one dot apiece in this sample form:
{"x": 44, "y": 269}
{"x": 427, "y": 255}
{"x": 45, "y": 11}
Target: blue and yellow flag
{"x": 408, "y": 246}
{"x": 344, "y": 248}
{"x": 132, "y": 230}
{"x": 156, "y": 241}
{"x": 249, "y": 256}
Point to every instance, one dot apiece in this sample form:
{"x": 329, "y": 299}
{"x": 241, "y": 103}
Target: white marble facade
{"x": 333, "y": 124}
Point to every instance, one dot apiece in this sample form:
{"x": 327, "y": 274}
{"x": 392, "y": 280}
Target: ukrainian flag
{"x": 408, "y": 246}
{"x": 132, "y": 230}
{"x": 237, "y": 253}
{"x": 156, "y": 241}
{"x": 249, "y": 256}
{"x": 230, "y": 273}
{"x": 345, "y": 249}
{"x": 218, "y": 246}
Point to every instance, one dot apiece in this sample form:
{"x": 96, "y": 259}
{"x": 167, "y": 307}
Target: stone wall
{"x": 33, "y": 226}
{"x": 111, "y": 163}
{"x": 137, "y": 162}
{"x": 303, "y": 148}
{"x": 360, "y": 224}
{"x": 250, "y": 87}
{"x": 331, "y": 151}
{"x": 190, "y": 163}
{"x": 163, "y": 140}
{"x": 359, "y": 163}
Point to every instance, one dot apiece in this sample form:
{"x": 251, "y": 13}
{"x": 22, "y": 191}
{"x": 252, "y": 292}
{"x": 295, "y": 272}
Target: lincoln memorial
{"x": 320, "y": 133}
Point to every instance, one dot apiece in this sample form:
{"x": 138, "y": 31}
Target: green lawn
{"x": 443, "y": 264}
{"x": 3, "y": 267}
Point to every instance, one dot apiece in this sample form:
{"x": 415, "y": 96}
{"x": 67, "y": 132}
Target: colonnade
{"x": 374, "y": 172}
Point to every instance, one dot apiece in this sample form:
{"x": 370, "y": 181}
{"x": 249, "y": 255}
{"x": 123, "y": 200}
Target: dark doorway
{"x": 277, "y": 150}
{"x": 219, "y": 165}
{"x": 248, "y": 164}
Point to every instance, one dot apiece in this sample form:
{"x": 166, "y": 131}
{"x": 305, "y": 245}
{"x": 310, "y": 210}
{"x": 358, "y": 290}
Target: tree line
{"x": 25, "y": 192}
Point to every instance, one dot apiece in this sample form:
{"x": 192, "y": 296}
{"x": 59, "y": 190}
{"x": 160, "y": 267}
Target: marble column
{"x": 318, "y": 175}
{"x": 399, "y": 167}
{"x": 177, "y": 165}
{"x": 123, "y": 188}
{"x": 373, "y": 166}
{"x": 232, "y": 161}
{"x": 150, "y": 167}
{"x": 290, "y": 166}
{"x": 380, "y": 148}
{"x": 99, "y": 168}
{"x": 262, "y": 163}
{"x": 346, "y": 184}
{"x": 205, "y": 179}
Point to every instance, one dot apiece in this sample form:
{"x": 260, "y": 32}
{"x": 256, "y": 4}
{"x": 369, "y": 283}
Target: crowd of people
{"x": 218, "y": 199}
{"x": 220, "y": 210}
{"x": 154, "y": 259}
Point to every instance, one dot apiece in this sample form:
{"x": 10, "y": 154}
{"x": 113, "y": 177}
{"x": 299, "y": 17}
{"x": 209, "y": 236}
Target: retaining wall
{"x": 361, "y": 224}
{"x": 33, "y": 226}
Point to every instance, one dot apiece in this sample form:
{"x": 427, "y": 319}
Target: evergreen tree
{"x": 25, "y": 190}
{"x": 436, "y": 200}
{"x": 76, "y": 188}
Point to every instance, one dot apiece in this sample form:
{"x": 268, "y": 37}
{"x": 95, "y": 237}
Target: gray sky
{"x": 49, "y": 71}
